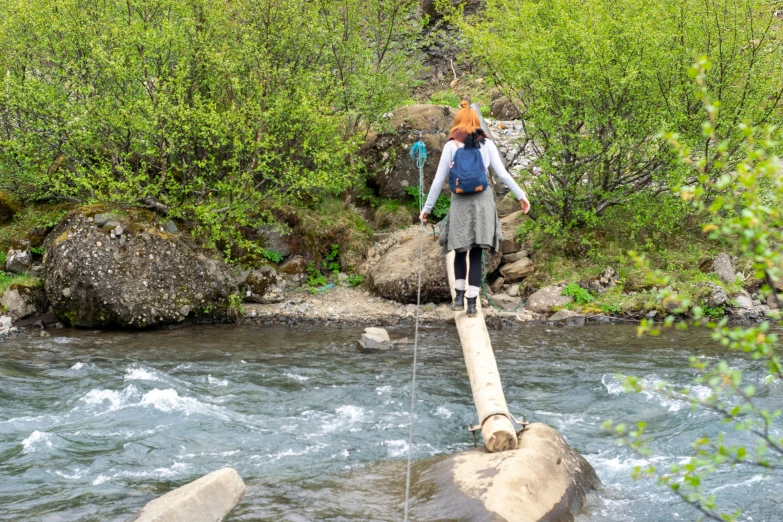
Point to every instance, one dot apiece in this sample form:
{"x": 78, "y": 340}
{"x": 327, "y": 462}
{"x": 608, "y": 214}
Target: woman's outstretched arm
{"x": 500, "y": 171}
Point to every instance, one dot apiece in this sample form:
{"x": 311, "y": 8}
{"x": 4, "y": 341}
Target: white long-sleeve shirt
{"x": 491, "y": 157}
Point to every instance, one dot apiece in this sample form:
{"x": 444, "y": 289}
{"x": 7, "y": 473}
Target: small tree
{"x": 596, "y": 82}
{"x": 747, "y": 209}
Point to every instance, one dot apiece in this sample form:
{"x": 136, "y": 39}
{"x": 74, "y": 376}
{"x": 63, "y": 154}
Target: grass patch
{"x": 330, "y": 222}
{"x": 7, "y": 280}
{"x": 31, "y": 223}
{"x": 392, "y": 214}
{"x": 447, "y": 97}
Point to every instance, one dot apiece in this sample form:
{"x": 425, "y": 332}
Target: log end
{"x": 499, "y": 434}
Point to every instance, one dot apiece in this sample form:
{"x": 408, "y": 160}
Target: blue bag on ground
{"x": 467, "y": 174}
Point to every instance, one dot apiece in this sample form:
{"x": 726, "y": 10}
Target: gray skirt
{"x": 472, "y": 222}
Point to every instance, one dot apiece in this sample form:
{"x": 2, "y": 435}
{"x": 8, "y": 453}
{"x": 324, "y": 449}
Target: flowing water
{"x": 93, "y": 425}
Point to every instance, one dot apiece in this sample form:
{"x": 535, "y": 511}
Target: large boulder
{"x": 208, "y": 499}
{"x": 548, "y": 297}
{"x": 19, "y": 259}
{"x": 396, "y": 274}
{"x": 133, "y": 275}
{"x": 544, "y": 479}
{"x": 391, "y": 168}
{"x": 24, "y": 300}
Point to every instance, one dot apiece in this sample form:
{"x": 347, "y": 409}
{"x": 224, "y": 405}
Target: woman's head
{"x": 467, "y": 120}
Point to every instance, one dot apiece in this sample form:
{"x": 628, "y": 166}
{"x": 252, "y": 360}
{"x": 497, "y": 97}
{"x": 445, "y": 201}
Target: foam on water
{"x": 36, "y": 440}
{"x": 443, "y": 412}
{"x": 140, "y": 373}
{"x": 296, "y": 377}
{"x": 214, "y": 381}
{"x": 116, "y": 399}
{"x": 169, "y": 400}
{"x": 396, "y": 448}
{"x": 650, "y": 383}
{"x": 78, "y": 366}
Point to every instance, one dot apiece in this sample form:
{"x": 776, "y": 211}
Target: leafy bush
{"x": 355, "y": 279}
{"x": 439, "y": 210}
{"x": 597, "y": 83}
{"x": 448, "y": 97}
{"x": 581, "y": 296}
{"x": 211, "y": 111}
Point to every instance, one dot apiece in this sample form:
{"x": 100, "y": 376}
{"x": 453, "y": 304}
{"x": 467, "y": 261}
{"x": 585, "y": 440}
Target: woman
{"x": 472, "y": 224}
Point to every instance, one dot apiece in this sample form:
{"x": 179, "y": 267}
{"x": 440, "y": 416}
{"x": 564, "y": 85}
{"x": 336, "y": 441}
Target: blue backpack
{"x": 467, "y": 174}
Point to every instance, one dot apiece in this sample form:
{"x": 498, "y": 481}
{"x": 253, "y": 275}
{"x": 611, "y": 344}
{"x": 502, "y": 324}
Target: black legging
{"x": 461, "y": 266}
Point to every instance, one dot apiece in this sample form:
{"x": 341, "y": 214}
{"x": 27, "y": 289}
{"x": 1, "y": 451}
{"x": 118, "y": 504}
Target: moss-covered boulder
{"x": 390, "y": 165}
{"x": 130, "y": 271}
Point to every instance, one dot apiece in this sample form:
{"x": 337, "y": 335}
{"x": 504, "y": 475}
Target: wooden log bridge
{"x": 497, "y": 429}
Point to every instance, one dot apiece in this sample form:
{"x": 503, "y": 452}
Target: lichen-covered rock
{"x": 396, "y": 275}
{"x": 723, "y": 266}
{"x": 146, "y": 277}
{"x": 19, "y": 259}
{"x": 24, "y": 300}
{"x": 391, "y": 168}
{"x": 542, "y": 301}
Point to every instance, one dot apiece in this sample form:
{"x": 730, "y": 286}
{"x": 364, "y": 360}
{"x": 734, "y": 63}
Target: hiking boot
{"x": 459, "y": 300}
{"x": 472, "y": 306}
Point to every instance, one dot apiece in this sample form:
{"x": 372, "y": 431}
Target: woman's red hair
{"x": 466, "y": 120}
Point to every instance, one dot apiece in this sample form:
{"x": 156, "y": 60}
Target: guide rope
{"x": 419, "y": 155}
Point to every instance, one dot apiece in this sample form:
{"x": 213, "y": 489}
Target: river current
{"x": 95, "y": 424}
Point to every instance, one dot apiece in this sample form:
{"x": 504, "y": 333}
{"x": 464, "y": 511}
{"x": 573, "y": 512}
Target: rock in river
{"x": 544, "y": 479}
{"x": 144, "y": 278}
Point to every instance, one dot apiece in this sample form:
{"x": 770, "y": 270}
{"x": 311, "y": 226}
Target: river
{"x": 94, "y": 424}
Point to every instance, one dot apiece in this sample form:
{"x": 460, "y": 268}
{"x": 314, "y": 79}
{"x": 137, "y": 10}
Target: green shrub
{"x": 355, "y": 279}
{"x": 599, "y": 81}
{"x": 219, "y": 113}
{"x": 439, "y": 210}
{"x": 581, "y": 296}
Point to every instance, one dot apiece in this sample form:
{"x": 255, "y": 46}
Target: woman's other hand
{"x": 423, "y": 217}
{"x": 525, "y": 204}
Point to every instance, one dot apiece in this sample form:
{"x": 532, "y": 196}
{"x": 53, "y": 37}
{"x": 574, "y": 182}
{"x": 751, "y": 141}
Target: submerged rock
{"x": 144, "y": 278}
{"x": 208, "y": 499}
{"x": 544, "y": 479}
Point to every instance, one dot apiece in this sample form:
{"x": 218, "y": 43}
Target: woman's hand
{"x": 525, "y": 204}
{"x": 423, "y": 217}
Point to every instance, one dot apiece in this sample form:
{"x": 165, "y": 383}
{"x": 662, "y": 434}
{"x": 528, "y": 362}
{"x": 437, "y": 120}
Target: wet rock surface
{"x": 544, "y": 479}
{"x": 146, "y": 277}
